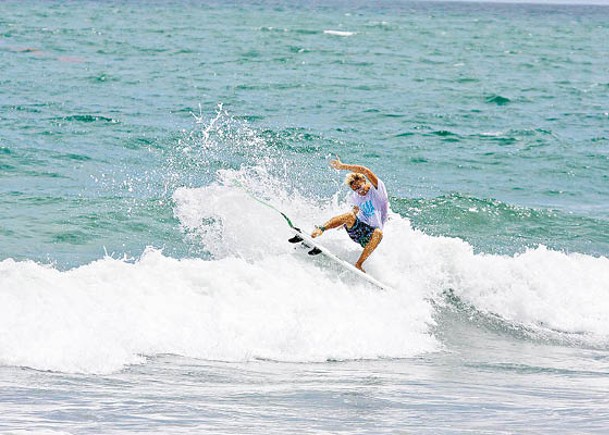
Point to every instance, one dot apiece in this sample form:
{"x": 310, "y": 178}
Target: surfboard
{"x": 315, "y": 246}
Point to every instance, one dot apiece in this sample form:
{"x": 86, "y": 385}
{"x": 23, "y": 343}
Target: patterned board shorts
{"x": 360, "y": 232}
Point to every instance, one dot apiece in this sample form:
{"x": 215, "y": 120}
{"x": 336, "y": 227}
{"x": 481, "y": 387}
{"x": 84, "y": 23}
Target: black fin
{"x": 295, "y": 239}
{"x": 315, "y": 251}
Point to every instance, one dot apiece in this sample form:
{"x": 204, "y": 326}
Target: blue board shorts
{"x": 360, "y": 232}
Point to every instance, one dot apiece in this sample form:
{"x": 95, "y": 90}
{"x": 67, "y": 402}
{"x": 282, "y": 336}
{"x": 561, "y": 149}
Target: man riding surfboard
{"x": 364, "y": 223}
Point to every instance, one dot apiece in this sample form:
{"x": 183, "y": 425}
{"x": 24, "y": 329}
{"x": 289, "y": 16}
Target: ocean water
{"x": 142, "y": 289}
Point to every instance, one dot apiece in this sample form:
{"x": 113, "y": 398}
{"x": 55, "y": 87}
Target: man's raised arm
{"x": 337, "y": 164}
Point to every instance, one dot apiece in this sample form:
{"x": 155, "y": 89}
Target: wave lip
{"x": 499, "y": 100}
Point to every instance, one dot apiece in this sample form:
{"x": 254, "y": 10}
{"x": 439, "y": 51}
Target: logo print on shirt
{"x": 367, "y": 208}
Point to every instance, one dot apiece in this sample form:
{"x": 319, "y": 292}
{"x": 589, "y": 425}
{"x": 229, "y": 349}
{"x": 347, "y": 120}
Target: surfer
{"x": 364, "y": 223}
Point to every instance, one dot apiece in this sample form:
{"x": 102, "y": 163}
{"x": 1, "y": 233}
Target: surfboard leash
{"x": 246, "y": 190}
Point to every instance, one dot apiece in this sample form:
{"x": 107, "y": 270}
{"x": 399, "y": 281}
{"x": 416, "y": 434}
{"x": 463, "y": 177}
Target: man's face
{"x": 360, "y": 186}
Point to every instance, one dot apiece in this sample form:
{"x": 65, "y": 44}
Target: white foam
{"x": 339, "y": 33}
{"x": 566, "y": 292}
{"x": 101, "y": 316}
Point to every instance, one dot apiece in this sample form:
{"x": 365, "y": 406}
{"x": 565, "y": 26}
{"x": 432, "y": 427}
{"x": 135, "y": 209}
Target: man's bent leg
{"x": 375, "y": 239}
{"x": 335, "y": 222}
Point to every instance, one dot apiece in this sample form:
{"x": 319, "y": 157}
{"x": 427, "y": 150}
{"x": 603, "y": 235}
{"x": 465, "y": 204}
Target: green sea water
{"x": 489, "y": 122}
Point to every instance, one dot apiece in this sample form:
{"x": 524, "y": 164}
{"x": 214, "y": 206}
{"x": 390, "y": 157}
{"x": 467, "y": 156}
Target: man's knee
{"x": 377, "y": 235}
{"x": 350, "y": 219}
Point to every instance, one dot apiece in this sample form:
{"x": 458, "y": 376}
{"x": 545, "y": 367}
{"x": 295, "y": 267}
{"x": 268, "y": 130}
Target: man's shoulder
{"x": 380, "y": 187}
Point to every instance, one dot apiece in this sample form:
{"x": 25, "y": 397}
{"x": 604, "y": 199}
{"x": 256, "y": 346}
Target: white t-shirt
{"x": 374, "y": 206}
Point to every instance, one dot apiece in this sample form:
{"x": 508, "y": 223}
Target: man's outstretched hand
{"x": 337, "y": 164}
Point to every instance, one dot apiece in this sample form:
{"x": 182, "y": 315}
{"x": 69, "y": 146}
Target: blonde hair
{"x": 354, "y": 176}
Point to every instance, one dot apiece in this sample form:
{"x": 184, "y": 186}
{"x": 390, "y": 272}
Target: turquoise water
{"x": 500, "y": 104}
{"x": 126, "y": 252}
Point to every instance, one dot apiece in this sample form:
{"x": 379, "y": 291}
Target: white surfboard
{"x": 312, "y": 244}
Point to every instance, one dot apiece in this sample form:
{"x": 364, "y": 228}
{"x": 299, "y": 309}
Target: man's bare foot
{"x": 316, "y": 232}
{"x": 359, "y": 266}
